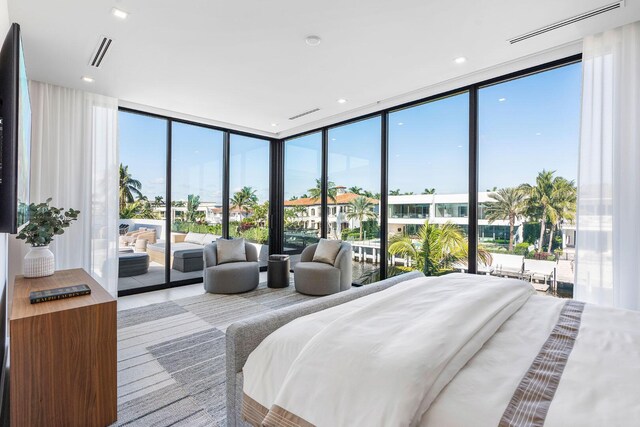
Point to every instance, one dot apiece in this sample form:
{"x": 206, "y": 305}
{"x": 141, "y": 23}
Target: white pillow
{"x": 327, "y": 251}
{"x": 194, "y": 238}
{"x": 209, "y": 238}
{"x": 230, "y": 250}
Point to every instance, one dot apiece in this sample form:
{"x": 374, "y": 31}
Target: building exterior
{"x": 309, "y": 212}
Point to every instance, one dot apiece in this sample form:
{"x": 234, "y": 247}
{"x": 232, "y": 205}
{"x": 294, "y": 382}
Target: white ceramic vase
{"x": 39, "y": 262}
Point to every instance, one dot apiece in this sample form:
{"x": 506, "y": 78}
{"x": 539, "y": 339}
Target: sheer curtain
{"x": 608, "y": 240}
{"x": 74, "y": 155}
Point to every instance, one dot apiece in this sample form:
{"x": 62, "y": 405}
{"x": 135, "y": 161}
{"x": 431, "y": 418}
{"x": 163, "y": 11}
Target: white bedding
{"x": 309, "y": 364}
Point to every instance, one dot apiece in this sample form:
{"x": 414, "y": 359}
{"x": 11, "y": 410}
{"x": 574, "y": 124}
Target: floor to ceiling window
{"x": 428, "y": 152}
{"x": 143, "y": 154}
{"x": 528, "y": 157}
{"x": 163, "y": 235}
{"x": 196, "y": 196}
{"x": 302, "y": 184}
{"x": 353, "y": 192}
{"x": 249, "y": 192}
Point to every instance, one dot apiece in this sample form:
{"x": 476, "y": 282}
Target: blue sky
{"x": 525, "y": 125}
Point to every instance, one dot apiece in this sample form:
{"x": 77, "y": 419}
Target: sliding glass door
{"x": 249, "y": 193}
{"x": 196, "y": 196}
{"x": 428, "y": 186}
{"x": 143, "y": 191}
{"x": 529, "y": 132}
{"x": 353, "y": 192}
{"x": 302, "y": 192}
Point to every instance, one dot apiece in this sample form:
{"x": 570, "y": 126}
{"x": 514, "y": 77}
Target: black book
{"x": 59, "y": 293}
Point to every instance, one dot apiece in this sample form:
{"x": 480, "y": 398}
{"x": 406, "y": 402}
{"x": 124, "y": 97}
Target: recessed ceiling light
{"x": 502, "y": 99}
{"x": 460, "y": 60}
{"x": 118, "y": 13}
{"x": 87, "y": 79}
{"x": 313, "y": 40}
{"x": 274, "y": 124}
{"x": 341, "y": 101}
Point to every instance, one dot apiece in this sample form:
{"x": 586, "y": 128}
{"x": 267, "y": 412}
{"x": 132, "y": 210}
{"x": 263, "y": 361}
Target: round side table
{"x": 278, "y": 271}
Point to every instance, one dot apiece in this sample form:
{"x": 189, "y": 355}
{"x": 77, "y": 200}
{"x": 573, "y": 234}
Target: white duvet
{"x": 444, "y": 352}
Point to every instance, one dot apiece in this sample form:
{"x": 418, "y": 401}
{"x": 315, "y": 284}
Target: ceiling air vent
{"x": 297, "y": 116}
{"x": 100, "y": 51}
{"x": 568, "y": 21}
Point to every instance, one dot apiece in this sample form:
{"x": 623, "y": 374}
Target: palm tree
{"x": 159, "y": 201}
{"x": 129, "y": 187}
{"x": 539, "y": 201}
{"x": 510, "y": 204}
{"x": 429, "y": 191}
{"x": 356, "y": 190}
{"x": 551, "y": 200}
{"x": 394, "y": 192}
{"x": 316, "y": 192}
{"x": 193, "y": 202}
{"x": 361, "y": 209}
{"x": 562, "y": 206}
{"x": 437, "y": 249}
{"x": 244, "y": 199}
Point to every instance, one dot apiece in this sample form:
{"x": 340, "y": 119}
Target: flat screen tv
{"x": 15, "y": 134}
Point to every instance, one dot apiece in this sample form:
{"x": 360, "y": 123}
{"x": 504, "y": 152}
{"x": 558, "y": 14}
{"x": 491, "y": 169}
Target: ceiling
{"x": 245, "y": 63}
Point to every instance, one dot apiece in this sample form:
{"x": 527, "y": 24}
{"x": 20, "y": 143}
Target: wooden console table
{"x": 63, "y": 354}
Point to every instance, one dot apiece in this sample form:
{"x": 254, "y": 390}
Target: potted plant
{"x": 44, "y": 222}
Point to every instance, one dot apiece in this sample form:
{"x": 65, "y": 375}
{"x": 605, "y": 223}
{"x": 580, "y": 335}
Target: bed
{"x": 459, "y": 350}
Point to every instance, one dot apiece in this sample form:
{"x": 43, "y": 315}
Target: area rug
{"x": 171, "y": 356}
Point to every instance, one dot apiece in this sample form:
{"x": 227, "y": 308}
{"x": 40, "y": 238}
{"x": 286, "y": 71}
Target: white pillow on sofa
{"x": 327, "y": 251}
{"x": 230, "y": 250}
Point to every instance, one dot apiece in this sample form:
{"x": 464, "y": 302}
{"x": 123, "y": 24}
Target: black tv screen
{"x": 15, "y": 134}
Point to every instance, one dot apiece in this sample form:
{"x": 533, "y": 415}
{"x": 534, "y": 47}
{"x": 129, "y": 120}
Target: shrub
{"x": 521, "y": 249}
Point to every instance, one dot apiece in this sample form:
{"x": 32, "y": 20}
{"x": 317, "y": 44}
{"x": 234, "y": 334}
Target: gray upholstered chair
{"x": 231, "y": 277}
{"x": 318, "y": 278}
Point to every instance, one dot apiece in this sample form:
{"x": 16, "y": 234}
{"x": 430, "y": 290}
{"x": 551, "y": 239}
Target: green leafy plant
{"x": 45, "y": 222}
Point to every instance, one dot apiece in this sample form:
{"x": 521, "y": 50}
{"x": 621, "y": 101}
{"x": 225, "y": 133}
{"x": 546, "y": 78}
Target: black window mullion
{"x": 472, "y": 236}
{"x": 384, "y": 193}
{"x": 324, "y": 218}
{"x": 226, "y": 146}
{"x": 168, "y": 208}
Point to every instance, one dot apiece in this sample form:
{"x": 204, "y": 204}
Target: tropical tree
{"x": 138, "y": 209}
{"x": 193, "y": 203}
{"x": 261, "y": 214}
{"x": 395, "y": 192}
{"x": 356, "y": 190}
{"x": 550, "y": 200}
{"x": 244, "y": 199}
{"x": 159, "y": 201}
{"x": 332, "y": 191}
{"x": 507, "y": 204}
{"x": 437, "y": 248}
{"x": 361, "y": 208}
{"x": 129, "y": 187}
{"x": 539, "y": 201}
{"x": 429, "y": 191}
{"x": 563, "y": 205}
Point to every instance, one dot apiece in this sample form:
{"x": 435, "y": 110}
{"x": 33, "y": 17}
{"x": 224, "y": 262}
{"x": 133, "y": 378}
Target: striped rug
{"x": 171, "y": 361}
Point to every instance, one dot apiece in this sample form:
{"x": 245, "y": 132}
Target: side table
{"x": 278, "y": 271}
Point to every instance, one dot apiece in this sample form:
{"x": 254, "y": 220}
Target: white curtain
{"x": 74, "y": 155}
{"x": 608, "y": 240}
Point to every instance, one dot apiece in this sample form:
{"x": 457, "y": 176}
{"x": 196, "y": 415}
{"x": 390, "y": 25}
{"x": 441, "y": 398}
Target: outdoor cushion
{"x": 231, "y": 251}
{"x": 209, "y": 238}
{"x": 194, "y": 238}
{"x": 188, "y": 253}
{"x": 327, "y": 251}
